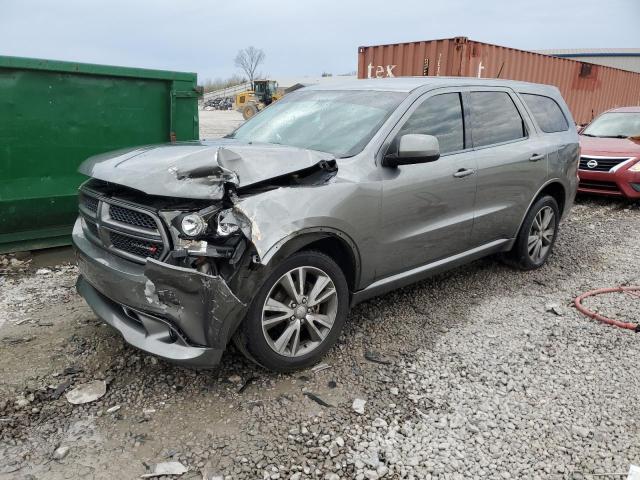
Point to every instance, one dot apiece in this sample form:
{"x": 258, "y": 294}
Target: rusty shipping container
{"x": 588, "y": 89}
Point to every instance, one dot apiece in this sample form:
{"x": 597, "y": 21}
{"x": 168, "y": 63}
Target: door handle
{"x": 535, "y": 157}
{"x": 464, "y": 172}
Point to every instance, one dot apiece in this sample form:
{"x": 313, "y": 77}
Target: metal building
{"x": 623, "y": 58}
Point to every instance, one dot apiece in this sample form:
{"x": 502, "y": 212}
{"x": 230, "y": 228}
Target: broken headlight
{"x": 193, "y": 225}
{"x": 226, "y": 223}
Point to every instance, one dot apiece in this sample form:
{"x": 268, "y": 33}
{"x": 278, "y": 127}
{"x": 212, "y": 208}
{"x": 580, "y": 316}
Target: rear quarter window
{"x": 547, "y": 113}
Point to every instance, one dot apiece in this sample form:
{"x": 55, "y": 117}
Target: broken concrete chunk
{"x": 166, "y": 468}
{"x": 319, "y": 367}
{"x": 60, "y": 453}
{"x": 553, "y": 308}
{"x": 358, "y": 405}
{"x": 379, "y": 423}
{"x": 377, "y": 357}
{"x": 87, "y": 392}
{"x": 113, "y": 409}
{"x": 22, "y": 401}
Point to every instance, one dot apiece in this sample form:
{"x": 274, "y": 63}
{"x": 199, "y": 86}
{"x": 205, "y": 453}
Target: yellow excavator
{"x": 263, "y": 93}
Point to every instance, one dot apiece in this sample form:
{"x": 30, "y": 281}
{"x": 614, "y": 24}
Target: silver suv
{"x": 328, "y": 197}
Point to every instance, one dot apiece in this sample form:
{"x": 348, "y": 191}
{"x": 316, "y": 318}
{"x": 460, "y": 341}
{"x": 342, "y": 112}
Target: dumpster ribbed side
{"x": 53, "y": 115}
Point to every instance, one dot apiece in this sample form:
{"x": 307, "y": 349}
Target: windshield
{"x": 337, "y": 122}
{"x": 614, "y": 125}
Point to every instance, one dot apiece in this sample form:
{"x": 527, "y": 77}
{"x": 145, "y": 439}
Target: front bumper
{"x": 176, "y": 313}
{"x": 621, "y": 183}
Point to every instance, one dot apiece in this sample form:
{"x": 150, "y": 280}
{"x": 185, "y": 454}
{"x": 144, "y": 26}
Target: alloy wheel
{"x": 541, "y": 234}
{"x": 299, "y": 311}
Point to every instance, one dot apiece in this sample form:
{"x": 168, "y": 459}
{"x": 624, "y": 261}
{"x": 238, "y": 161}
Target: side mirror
{"x": 414, "y": 148}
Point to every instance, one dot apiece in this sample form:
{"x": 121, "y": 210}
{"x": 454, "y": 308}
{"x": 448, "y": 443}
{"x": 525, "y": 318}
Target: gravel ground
{"x": 484, "y": 372}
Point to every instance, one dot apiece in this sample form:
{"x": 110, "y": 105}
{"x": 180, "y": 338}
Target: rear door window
{"x": 440, "y": 116}
{"x": 547, "y": 113}
{"x": 495, "y": 119}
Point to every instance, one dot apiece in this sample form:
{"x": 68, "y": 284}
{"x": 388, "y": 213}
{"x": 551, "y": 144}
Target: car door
{"x": 427, "y": 208}
{"x": 512, "y": 162}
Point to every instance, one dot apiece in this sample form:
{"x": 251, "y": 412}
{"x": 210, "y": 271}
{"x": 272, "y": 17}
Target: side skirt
{"x": 399, "y": 280}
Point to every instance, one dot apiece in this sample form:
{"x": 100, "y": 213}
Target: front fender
{"x": 288, "y": 216}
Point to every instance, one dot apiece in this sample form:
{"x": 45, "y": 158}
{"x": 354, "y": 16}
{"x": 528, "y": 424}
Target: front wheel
{"x": 298, "y": 313}
{"x": 537, "y": 235}
{"x": 249, "y": 111}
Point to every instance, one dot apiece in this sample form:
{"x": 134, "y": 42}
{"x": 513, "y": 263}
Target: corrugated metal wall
{"x": 588, "y": 89}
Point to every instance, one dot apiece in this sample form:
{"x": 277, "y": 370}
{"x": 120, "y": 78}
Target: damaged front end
{"x": 175, "y": 275}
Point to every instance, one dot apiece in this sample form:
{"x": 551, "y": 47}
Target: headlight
{"x": 226, "y": 224}
{"x": 193, "y": 225}
{"x": 635, "y": 167}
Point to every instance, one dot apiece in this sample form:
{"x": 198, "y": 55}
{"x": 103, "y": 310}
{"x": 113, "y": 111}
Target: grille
{"x": 90, "y": 203}
{"x": 137, "y": 246}
{"x": 132, "y": 217}
{"x": 603, "y": 164}
{"x": 598, "y": 185}
{"x": 122, "y": 228}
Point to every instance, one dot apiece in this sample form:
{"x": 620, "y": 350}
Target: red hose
{"x": 628, "y": 325}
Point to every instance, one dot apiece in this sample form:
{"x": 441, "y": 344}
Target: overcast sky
{"x": 299, "y": 37}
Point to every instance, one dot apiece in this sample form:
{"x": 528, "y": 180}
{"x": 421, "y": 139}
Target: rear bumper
{"x": 621, "y": 183}
{"x": 176, "y": 313}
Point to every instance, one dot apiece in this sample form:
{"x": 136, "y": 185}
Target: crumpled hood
{"x": 198, "y": 169}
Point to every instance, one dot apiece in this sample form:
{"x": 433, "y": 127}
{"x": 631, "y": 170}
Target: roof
{"x": 625, "y": 110}
{"x": 592, "y": 52}
{"x": 408, "y": 84}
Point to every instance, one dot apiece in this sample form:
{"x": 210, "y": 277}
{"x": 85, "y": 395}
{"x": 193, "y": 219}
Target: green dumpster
{"x": 53, "y": 115}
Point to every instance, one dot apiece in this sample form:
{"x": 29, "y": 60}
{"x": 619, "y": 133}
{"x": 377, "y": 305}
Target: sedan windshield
{"x": 337, "y": 122}
{"x": 614, "y": 125}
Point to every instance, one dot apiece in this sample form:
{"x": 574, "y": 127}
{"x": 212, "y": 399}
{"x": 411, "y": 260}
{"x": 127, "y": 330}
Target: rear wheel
{"x": 537, "y": 235}
{"x": 298, "y": 313}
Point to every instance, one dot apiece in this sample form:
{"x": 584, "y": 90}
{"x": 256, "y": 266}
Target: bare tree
{"x": 248, "y": 60}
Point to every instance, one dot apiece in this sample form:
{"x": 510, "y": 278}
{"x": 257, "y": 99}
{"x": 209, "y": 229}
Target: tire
{"x": 249, "y": 111}
{"x": 526, "y": 254}
{"x": 263, "y": 335}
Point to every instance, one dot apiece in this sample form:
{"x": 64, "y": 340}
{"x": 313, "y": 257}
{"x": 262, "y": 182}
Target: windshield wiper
{"x": 603, "y": 136}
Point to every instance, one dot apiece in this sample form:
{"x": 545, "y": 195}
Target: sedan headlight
{"x": 193, "y": 225}
{"x": 635, "y": 167}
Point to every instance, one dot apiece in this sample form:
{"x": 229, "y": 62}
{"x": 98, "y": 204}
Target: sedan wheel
{"x": 299, "y": 311}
